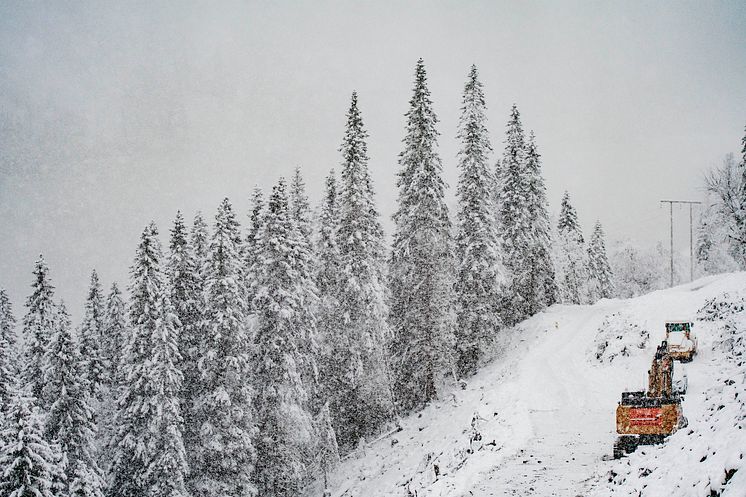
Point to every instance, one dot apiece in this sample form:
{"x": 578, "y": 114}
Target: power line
{"x": 690, "y": 203}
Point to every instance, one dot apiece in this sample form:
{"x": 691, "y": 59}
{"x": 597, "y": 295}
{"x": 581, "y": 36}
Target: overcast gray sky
{"x": 115, "y": 113}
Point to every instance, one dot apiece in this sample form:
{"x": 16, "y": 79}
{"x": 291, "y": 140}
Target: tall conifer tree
{"x": 150, "y": 458}
{"x": 186, "y": 298}
{"x": 167, "y": 464}
{"x": 31, "y": 466}
{"x": 327, "y": 250}
{"x": 198, "y": 239}
{"x": 300, "y": 209}
{"x": 129, "y": 464}
{"x": 8, "y": 368}
{"x": 115, "y": 333}
{"x": 480, "y": 275}
{"x": 223, "y": 458}
{"x": 568, "y": 219}
{"x": 543, "y": 289}
{"x": 421, "y": 259}
{"x": 69, "y": 421}
{"x": 599, "y": 270}
{"x": 7, "y": 319}
{"x": 92, "y": 339}
{"x": 571, "y": 257}
{"x": 199, "y": 245}
{"x": 251, "y": 247}
{"x": 357, "y": 375}
{"x": 38, "y": 325}
{"x": 328, "y": 277}
{"x": 515, "y": 220}
{"x": 115, "y": 337}
{"x": 524, "y": 223}
{"x": 182, "y": 273}
{"x": 285, "y": 291}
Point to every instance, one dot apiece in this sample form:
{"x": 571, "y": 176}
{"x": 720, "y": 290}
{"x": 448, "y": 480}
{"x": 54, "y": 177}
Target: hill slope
{"x": 539, "y": 418}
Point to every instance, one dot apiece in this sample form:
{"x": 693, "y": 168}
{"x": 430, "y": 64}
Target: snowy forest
{"x": 250, "y": 352}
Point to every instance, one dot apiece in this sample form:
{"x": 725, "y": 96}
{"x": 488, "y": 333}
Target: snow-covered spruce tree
{"x": 355, "y": 374}
{"x": 149, "y": 459}
{"x": 8, "y": 367}
{"x": 515, "y": 222}
{"x": 304, "y": 259}
{"x": 421, "y": 259}
{"x": 199, "y": 245}
{"x": 186, "y": 299}
{"x": 328, "y": 265}
{"x": 568, "y": 219}
{"x": 571, "y": 256}
{"x": 600, "y": 284}
{"x": 285, "y": 292}
{"x": 182, "y": 277}
{"x": 69, "y": 421}
{"x": 541, "y": 278}
{"x": 256, "y": 220}
{"x": 31, "y": 466}
{"x": 8, "y": 359}
{"x": 300, "y": 209}
{"x": 7, "y": 319}
{"x": 223, "y": 457}
{"x": 127, "y": 461}
{"x": 115, "y": 334}
{"x": 480, "y": 275}
{"x": 198, "y": 239}
{"x": 328, "y": 278}
{"x": 92, "y": 340}
{"x": 38, "y": 326}
{"x": 167, "y": 464}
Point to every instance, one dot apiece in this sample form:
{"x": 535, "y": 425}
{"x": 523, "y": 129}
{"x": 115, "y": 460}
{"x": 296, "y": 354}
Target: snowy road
{"x": 544, "y": 409}
{"x": 569, "y": 425}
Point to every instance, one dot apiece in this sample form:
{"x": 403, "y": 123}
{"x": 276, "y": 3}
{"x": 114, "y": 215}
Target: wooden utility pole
{"x": 691, "y": 204}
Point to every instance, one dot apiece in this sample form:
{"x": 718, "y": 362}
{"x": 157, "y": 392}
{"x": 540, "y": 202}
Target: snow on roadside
{"x": 619, "y": 336}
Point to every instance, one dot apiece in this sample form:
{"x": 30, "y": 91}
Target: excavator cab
{"x": 682, "y": 344}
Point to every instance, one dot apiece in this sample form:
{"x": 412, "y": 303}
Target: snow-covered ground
{"x": 539, "y": 418}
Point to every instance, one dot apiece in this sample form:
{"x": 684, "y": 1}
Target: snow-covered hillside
{"x": 539, "y": 419}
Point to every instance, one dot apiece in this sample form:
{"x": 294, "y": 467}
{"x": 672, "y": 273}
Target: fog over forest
{"x": 116, "y": 113}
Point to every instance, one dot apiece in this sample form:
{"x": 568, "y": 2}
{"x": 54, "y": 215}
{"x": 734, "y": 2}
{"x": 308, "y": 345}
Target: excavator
{"x": 648, "y": 417}
{"x": 682, "y": 345}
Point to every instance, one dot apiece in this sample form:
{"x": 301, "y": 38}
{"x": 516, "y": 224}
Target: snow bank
{"x": 722, "y": 306}
{"x": 619, "y": 335}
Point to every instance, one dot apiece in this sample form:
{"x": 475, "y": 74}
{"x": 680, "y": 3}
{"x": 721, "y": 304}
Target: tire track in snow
{"x": 569, "y": 426}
